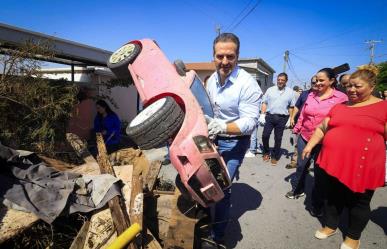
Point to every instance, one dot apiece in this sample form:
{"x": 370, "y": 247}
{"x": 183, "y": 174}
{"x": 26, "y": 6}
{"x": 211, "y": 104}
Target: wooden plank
{"x": 57, "y": 164}
{"x": 152, "y": 174}
{"x": 91, "y": 166}
{"x": 79, "y": 241}
{"x": 178, "y": 237}
{"x": 100, "y": 231}
{"x": 14, "y": 222}
{"x": 120, "y": 218}
{"x": 125, "y": 173}
{"x": 136, "y": 201}
{"x": 150, "y": 241}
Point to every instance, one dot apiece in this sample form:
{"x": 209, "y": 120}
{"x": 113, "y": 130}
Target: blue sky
{"x": 317, "y": 33}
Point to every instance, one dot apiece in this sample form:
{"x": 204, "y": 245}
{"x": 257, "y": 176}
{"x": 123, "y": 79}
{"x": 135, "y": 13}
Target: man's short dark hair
{"x": 284, "y": 75}
{"x": 341, "y": 76}
{"x": 296, "y": 88}
{"x": 226, "y": 37}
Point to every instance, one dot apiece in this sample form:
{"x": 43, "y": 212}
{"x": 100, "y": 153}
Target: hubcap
{"x": 122, "y": 53}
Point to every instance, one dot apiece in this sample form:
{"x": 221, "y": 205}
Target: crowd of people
{"x": 324, "y": 120}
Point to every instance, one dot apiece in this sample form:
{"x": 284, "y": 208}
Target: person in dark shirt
{"x": 108, "y": 124}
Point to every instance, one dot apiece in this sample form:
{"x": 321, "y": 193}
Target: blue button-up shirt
{"x": 237, "y": 100}
{"x": 278, "y": 101}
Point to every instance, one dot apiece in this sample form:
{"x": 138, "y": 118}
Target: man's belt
{"x": 280, "y": 115}
{"x": 230, "y": 137}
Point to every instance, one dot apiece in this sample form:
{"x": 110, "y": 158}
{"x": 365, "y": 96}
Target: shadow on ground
{"x": 379, "y": 217}
{"x": 244, "y": 198}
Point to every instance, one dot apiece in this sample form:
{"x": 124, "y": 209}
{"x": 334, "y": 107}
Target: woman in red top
{"x": 353, "y": 155}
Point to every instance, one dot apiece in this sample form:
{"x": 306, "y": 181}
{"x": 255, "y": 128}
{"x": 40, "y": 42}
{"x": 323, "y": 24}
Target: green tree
{"x": 34, "y": 111}
{"x": 382, "y": 77}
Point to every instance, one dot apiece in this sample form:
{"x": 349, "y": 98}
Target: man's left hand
{"x": 216, "y": 126}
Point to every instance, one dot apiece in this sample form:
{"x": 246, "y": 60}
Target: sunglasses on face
{"x": 313, "y": 82}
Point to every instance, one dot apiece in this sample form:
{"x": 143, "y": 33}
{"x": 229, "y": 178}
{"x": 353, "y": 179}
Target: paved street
{"x": 262, "y": 217}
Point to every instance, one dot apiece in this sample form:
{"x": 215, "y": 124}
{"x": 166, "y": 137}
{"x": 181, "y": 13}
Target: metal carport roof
{"x": 66, "y": 52}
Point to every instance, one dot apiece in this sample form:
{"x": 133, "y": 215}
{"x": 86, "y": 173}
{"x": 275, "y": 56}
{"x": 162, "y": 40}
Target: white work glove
{"x": 287, "y": 126}
{"x": 215, "y": 126}
{"x": 262, "y": 119}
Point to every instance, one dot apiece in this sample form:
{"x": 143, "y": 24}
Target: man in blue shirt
{"x": 235, "y": 96}
{"x": 277, "y": 105}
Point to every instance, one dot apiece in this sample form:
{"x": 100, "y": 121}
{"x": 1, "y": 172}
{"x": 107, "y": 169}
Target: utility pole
{"x": 372, "y": 48}
{"x": 286, "y": 59}
{"x": 217, "y": 29}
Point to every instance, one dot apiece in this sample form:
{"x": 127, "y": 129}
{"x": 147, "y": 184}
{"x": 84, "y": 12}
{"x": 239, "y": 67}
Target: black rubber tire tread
{"x": 157, "y": 129}
{"x": 120, "y": 69}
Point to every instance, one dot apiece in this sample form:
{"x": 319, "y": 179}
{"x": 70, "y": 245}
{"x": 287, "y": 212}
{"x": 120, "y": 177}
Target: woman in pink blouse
{"x": 313, "y": 112}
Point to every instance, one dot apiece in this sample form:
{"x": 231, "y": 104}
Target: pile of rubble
{"x": 136, "y": 199}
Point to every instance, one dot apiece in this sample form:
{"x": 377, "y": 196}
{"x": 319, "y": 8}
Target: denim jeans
{"x": 254, "y": 141}
{"x": 233, "y": 152}
{"x": 303, "y": 165}
{"x": 278, "y": 123}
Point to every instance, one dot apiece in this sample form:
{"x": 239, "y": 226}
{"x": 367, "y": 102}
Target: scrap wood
{"x": 101, "y": 233}
{"x": 14, "y": 222}
{"x": 177, "y": 237}
{"x": 164, "y": 213}
{"x": 101, "y": 230}
{"x": 150, "y": 241}
{"x": 80, "y": 239}
{"x": 151, "y": 176}
{"x": 56, "y": 164}
{"x": 91, "y": 166}
{"x": 124, "y": 173}
{"x": 120, "y": 217}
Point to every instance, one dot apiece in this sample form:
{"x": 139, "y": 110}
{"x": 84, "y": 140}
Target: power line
{"x": 237, "y": 17}
{"x": 305, "y": 60}
{"x": 201, "y": 10}
{"x": 291, "y": 68}
{"x": 332, "y": 55}
{"x": 334, "y": 46}
{"x": 325, "y": 39}
{"x": 247, "y": 14}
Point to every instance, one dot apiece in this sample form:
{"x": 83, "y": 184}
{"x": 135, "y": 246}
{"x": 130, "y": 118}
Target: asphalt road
{"x": 262, "y": 217}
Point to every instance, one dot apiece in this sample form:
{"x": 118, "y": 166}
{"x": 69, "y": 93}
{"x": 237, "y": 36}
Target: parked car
{"x": 175, "y": 102}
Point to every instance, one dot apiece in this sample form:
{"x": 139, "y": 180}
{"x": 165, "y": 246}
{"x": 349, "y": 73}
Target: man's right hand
{"x": 262, "y": 119}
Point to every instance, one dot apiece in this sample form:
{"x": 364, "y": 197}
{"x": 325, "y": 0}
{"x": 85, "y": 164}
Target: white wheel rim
{"x": 122, "y": 53}
{"x": 148, "y": 112}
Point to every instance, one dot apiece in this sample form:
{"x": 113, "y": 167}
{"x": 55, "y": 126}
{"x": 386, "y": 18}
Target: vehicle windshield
{"x": 201, "y": 95}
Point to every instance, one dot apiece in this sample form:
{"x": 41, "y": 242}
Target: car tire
{"x": 118, "y": 62}
{"x": 158, "y": 122}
